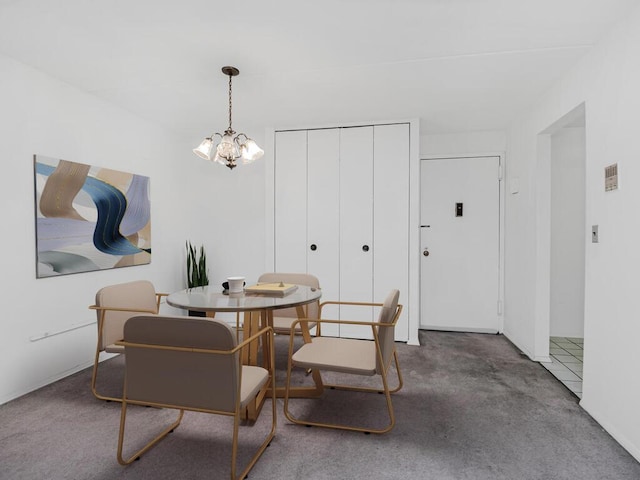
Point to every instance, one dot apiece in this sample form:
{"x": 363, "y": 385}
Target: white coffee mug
{"x": 236, "y": 284}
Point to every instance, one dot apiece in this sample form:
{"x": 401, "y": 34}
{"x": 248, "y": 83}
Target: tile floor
{"x": 566, "y": 362}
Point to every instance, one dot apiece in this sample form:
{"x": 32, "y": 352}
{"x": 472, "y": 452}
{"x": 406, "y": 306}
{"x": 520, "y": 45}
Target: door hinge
{"x": 500, "y": 173}
{"x": 499, "y": 307}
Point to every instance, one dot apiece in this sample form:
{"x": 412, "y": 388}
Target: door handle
{"x": 365, "y": 248}
{"x": 313, "y": 247}
{"x": 425, "y": 252}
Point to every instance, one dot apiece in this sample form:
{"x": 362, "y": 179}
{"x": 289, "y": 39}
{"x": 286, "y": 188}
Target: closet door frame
{"x": 410, "y": 299}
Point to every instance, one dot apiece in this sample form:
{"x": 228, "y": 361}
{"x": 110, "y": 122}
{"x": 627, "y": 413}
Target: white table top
{"x": 211, "y": 299}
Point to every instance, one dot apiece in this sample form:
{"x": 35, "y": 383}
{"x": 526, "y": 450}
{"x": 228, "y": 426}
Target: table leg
{"x": 251, "y": 325}
{"x": 253, "y": 321}
{"x": 266, "y": 318}
{"x": 304, "y": 326}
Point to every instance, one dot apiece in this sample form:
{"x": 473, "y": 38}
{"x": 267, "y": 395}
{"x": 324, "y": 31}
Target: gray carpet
{"x": 472, "y": 408}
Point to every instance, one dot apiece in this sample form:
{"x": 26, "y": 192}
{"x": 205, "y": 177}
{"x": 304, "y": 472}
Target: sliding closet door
{"x": 291, "y": 201}
{"x": 323, "y": 213}
{"x": 391, "y": 217}
{"x": 356, "y": 226}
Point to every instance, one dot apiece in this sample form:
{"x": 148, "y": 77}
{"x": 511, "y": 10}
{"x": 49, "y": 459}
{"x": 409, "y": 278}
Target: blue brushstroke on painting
{"x": 111, "y": 205}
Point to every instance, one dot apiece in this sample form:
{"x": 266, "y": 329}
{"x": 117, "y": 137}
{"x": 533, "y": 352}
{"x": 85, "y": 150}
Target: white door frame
{"x": 542, "y": 314}
{"x": 501, "y": 157}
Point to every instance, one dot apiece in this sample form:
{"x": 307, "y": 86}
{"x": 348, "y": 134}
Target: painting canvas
{"x": 89, "y": 218}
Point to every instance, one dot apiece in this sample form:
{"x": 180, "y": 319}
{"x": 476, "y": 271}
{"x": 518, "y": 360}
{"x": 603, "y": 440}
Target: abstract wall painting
{"x": 89, "y": 218}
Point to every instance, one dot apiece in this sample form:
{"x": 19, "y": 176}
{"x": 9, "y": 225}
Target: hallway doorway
{"x": 567, "y": 243}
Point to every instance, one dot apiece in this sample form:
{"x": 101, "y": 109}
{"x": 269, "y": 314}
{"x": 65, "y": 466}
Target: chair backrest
{"x": 181, "y": 378}
{"x": 140, "y": 296}
{"x": 386, "y": 335}
{"x": 299, "y": 279}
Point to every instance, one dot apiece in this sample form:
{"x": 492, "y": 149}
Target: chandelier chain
{"x": 230, "y": 105}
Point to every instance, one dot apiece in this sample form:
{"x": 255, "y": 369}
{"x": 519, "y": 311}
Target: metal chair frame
{"x": 386, "y": 390}
{"x": 102, "y": 311}
{"x": 237, "y": 413}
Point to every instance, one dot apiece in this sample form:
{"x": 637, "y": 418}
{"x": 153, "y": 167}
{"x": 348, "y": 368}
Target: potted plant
{"x": 197, "y": 271}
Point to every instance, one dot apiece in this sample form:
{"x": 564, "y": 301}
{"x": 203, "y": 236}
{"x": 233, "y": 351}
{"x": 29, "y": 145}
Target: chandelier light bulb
{"x": 251, "y": 151}
{"x": 204, "y": 149}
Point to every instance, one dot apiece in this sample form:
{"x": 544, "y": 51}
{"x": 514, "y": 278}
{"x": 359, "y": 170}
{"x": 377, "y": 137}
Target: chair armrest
{"x": 346, "y": 322}
{"x": 343, "y": 322}
{"x": 352, "y": 322}
{"x": 159, "y": 297}
{"x": 119, "y": 309}
{"x": 357, "y": 304}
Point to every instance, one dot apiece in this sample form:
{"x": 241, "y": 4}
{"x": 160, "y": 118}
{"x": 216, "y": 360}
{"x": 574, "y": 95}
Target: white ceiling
{"x": 458, "y": 65}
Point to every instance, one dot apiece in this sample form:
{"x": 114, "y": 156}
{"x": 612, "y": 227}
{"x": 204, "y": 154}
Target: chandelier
{"x": 231, "y": 147}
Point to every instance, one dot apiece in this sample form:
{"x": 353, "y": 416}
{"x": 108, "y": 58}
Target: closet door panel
{"x": 356, "y": 227}
{"x": 290, "y": 228}
{"x": 323, "y": 210}
{"x": 391, "y": 217}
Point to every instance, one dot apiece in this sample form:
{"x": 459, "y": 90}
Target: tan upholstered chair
{"x": 352, "y": 356}
{"x": 194, "y": 364}
{"x": 114, "y": 305}
{"x": 284, "y": 318}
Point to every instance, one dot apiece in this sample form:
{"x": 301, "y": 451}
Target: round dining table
{"x": 258, "y": 309}
{"x": 212, "y": 299}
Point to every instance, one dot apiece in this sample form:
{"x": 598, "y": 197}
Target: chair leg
{"x": 385, "y": 429}
{"x": 305, "y": 392}
{"x": 94, "y": 381}
{"x": 385, "y": 390}
{"x": 148, "y": 446}
{"x": 96, "y": 361}
{"x": 398, "y": 373}
{"x": 267, "y": 441}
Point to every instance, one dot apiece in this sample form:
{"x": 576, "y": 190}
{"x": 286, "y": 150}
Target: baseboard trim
{"x": 523, "y": 349}
{"x": 623, "y": 440}
{"x": 43, "y": 383}
{"x": 459, "y": 329}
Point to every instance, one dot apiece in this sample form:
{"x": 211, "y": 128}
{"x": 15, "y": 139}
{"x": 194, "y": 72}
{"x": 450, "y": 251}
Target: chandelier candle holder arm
{"x": 231, "y": 147}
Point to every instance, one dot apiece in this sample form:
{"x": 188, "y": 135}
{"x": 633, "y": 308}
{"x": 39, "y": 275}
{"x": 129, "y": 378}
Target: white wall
{"x": 568, "y": 232}
{"x": 488, "y": 141}
{"x": 606, "y": 80}
{"x": 190, "y": 199}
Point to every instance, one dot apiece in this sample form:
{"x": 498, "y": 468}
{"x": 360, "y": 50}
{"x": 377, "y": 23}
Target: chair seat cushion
{"x": 339, "y": 355}
{"x": 253, "y": 379}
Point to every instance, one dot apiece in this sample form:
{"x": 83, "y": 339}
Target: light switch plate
{"x": 514, "y": 185}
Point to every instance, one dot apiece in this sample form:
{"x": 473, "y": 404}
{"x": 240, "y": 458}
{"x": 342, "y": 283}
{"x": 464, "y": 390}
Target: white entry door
{"x": 460, "y": 241}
